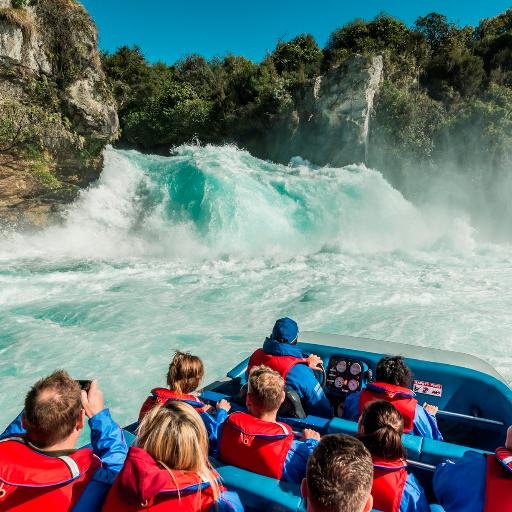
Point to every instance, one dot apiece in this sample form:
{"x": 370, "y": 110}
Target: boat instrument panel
{"x": 345, "y": 375}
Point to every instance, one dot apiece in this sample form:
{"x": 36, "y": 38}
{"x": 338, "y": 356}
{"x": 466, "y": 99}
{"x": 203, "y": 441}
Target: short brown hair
{"x": 266, "y": 387}
{"x": 185, "y": 372}
{"x": 339, "y": 474}
{"x": 52, "y": 409}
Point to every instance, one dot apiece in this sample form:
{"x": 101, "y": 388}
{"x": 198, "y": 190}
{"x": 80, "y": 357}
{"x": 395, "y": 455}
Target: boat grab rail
{"x": 468, "y": 417}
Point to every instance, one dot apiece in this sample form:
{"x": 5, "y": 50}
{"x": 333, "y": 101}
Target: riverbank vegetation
{"x": 447, "y": 91}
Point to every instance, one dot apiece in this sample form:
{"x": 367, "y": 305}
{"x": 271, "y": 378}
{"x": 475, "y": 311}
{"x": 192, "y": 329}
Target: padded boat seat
{"x": 434, "y": 452}
{"x": 413, "y": 444}
{"x": 259, "y": 492}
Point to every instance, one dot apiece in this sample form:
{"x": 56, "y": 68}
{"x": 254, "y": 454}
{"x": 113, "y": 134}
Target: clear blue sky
{"x": 167, "y": 30}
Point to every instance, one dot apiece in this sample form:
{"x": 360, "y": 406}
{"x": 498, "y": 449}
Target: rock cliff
{"x": 56, "y": 111}
{"x": 330, "y": 121}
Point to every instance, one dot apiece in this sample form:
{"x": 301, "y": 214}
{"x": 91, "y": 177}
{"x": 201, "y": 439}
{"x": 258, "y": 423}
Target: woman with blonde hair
{"x": 394, "y": 490}
{"x": 183, "y": 378}
{"x": 168, "y": 469}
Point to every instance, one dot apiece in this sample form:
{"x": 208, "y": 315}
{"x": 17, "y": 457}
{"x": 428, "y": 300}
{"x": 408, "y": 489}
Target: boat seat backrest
{"x": 259, "y": 492}
{"x": 418, "y": 448}
{"x": 434, "y": 452}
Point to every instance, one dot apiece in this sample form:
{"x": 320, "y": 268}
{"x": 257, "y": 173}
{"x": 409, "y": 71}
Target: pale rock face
{"x": 11, "y": 41}
{"x": 337, "y": 111}
{"x": 91, "y": 113}
{"x": 23, "y": 47}
{"x": 330, "y": 123}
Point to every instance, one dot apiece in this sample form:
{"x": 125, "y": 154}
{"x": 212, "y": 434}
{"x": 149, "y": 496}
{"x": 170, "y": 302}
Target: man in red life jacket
{"x": 393, "y": 383}
{"x": 477, "y": 482}
{"x": 280, "y": 352}
{"x": 339, "y": 476}
{"x": 40, "y": 469}
{"x": 256, "y": 441}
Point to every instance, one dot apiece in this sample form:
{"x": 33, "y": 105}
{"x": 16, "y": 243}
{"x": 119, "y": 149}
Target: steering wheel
{"x": 321, "y": 375}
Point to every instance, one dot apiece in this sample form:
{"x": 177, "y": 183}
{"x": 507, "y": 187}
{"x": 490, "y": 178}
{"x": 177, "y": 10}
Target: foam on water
{"x": 204, "y": 249}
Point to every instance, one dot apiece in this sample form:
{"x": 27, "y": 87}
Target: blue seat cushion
{"x": 259, "y": 492}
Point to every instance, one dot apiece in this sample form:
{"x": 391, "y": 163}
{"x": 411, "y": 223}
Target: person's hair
{"x": 383, "y": 428}
{"x": 185, "y": 372}
{"x": 175, "y": 436}
{"x": 393, "y": 370}
{"x": 339, "y": 474}
{"x": 266, "y": 388}
{"x": 52, "y": 409}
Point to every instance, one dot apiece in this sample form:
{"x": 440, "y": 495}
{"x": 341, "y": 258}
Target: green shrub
{"x": 20, "y": 4}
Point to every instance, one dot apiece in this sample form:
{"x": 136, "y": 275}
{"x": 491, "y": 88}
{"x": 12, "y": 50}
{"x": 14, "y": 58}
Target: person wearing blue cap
{"x": 280, "y": 352}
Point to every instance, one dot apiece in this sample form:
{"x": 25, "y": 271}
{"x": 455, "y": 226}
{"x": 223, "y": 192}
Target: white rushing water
{"x": 203, "y": 250}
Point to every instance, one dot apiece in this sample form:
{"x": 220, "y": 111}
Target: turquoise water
{"x": 205, "y": 249}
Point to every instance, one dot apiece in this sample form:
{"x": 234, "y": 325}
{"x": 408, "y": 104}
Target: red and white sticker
{"x": 427, "y": 388}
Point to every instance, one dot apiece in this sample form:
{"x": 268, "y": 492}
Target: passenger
{"x": 183, "y": 378}
{"x": 256, "y": 441}
{"x": 380, "y": 430}
{"x": 168, "y": 468}
{"x": 339, "y": 476}
{"x": 393, "y": 382}
{"x": 280, "y": 353}
{"x": 477, "y": 482}
{"x": 40, "y": 469}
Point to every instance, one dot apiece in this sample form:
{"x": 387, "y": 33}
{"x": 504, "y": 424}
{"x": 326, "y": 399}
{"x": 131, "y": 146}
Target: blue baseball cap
{"x": 285, "y": 330}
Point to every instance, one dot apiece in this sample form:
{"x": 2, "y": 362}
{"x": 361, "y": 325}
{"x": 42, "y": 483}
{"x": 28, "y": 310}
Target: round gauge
{"x": 355, "y": 369}
{"x": 338, "y": 382}
{"x": 353, "y": 384}
{"x": 341, "y": 366}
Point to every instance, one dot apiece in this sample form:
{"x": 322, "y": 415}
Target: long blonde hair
{"x": 175, "y": 436}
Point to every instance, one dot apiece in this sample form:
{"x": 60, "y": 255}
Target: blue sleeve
{"x": 108, "y": 444}
{"x": 351, "y": 407}
{"x": 212, "y": 424}
{"x": 425, "y": 425}
{"x": 14, "y": 428}
{"x": 461, "y": 485}
{"x": 414, "y": 498}
{"x": 302, "y": 379}
{"x": 228, "y": 502}
{"x": 295, "y": 463}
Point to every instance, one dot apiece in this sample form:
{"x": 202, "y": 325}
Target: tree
{"x": 301, "y": 54}
{"x": 174, "y": 117}
{"x": 435, "y": 29}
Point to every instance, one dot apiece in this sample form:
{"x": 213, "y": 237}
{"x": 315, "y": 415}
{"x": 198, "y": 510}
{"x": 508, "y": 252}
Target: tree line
{"x": 443, "y": 85}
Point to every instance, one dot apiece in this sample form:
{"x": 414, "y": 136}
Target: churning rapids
{"x": 203, "y": 250}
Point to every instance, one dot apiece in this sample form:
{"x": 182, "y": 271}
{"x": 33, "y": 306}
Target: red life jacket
{"x": 256, "y": 445}
{"x": 280, "y": 364}
{"x": 186, "y": 492}
{"x": 162, "y": 395}
{"x": 498, "y": 487}
{"x": 402, "y": 398}
{"x": 389, "y": 478}
{"x": 30, "y": 480}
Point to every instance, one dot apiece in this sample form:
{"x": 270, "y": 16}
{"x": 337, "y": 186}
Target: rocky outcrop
{"x": 54, "y": 94}
{"x": 330, "y": 122}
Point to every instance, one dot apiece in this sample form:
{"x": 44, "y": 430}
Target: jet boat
{"x": 474, "y": 401}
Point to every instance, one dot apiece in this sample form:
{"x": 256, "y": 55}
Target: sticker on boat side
{"x": 427, "y": 388}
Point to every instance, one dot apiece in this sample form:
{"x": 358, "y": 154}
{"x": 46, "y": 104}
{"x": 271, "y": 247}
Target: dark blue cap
{"x": 285, "y": 330}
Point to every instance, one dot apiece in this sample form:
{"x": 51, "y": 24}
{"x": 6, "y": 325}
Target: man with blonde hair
{"x": 256, "y": 441}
